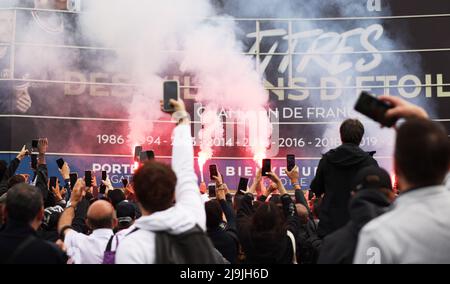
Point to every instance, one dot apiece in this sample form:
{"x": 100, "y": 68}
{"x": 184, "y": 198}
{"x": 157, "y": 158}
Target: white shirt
{"x": 416, "y": 230}
{"x": 139, "y": 247}
{"x": 84, "y": 249}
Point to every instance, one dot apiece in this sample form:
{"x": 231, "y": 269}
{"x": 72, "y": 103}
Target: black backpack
{"x": 191, "y": 247}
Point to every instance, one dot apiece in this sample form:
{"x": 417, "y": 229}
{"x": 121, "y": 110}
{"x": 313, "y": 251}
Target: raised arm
{"x": 11, "y": 170}
{"x": 42, "y": 174}
{"x": 187, "y": 193}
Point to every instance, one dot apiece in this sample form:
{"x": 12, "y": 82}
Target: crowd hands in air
{"x": 352, "y": 214}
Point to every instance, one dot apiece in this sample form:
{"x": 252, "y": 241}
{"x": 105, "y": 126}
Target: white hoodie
{"x": 139, "y": 246}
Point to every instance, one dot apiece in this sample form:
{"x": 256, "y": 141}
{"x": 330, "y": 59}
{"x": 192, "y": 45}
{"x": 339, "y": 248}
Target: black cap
{"x": 126, "y": 212}
{"x": 372, "y": 178}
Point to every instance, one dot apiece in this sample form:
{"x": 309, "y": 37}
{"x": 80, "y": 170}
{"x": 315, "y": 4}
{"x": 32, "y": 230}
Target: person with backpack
{"x": 173, "y": 223}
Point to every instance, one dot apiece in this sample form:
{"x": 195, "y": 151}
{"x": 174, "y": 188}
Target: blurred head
{"x": 116, "y": 196}
{"x": 24, "y": 205}
{"x": 422, "y": 154}
{"x": 213, "y": 214}
{"x": 374, "y": 178}
{"x": 352, "y": 131}
{"x": 302, "y": 212}
{"x": 268, "y": 218}
{"x": 101, "y": 215}
{"x": 154, "y": 185}
{"x": 12, "y": 181}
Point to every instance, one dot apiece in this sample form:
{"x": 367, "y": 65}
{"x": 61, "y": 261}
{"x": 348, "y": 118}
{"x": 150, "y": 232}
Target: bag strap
{"x": 294, "y": 247}
{"x": 20, "y": 249}
{"x": 108, "y": 246}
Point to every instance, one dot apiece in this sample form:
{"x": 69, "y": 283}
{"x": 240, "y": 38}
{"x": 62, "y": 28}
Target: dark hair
{"x": 268, "y": 218}
{"x": 422, "y": 152}
{"x": 213, "y": 214}
{"x": 154, "y": 184}
{"x": 23, "y": 203}
{"x": 116, "y": 196}
{"x": 104, "y": 222}
{"x": 12, "y": 181}
{"x": 352, "y": 131}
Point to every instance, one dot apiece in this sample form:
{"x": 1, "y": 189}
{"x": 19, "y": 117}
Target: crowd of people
{"x": 352, "y": 214}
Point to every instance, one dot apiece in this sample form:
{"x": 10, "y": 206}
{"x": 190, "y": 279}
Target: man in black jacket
{"x": 336, "y": 170}
{"x": 18, "y": 240}
{"x": 373, "y": 196}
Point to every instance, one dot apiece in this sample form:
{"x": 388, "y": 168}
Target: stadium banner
{"x": 53, "y": 84}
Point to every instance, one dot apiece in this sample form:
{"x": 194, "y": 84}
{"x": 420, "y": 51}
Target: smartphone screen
{"x": 53, "y": 181}
{"x": 137, "y": 153}
{"x": 243, "y": 184}
{"x": 88, "y": 178}
{"x": 374, "y": 108}
{"x": 102, "y": 186}
{"x": 73, "y": 179}
{"x": 60, "y": 163}
{"x": 33, "y": 161}
{"x": 212, "y": 190}
{"x": 290, "y": 162}
{"x": 266, "y": 167}
{"x": 125, "y": 182}
{"x": 34, "y": 143}
{"x": 213, "y": 172}
{"x": 171, "y": 91}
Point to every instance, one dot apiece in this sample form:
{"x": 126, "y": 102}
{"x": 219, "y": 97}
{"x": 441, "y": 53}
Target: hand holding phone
{"x": 88, "y": 178}
{"x": 171, "y": 92}
{"x": 102, "y": 186}
{"x": 243, "y": 185}
{"x": 60, "y": 163}
{"x": 213, "y": 172}
{"x": 266, "y": 167}
{"x": 212, "y": 190}
{"x": 53, "y": 181}
{"x": 375, "y": 109}
{"x": 73, "y": 179}
{"x": 33, "y": 161}
{"x": 290, "y": 159}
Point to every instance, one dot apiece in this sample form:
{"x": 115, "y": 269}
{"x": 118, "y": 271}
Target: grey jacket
{"x": 416, "y": 230}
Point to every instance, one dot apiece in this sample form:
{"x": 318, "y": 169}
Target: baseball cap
{"x": 126, "y": 212}
{"x": 372, "y": 178}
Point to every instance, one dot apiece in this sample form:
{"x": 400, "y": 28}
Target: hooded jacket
{"x": 334, "y": 177}
{"x": 339, "y": 247}
{"x": 139, "y": 247}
